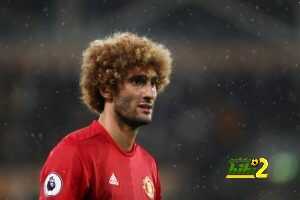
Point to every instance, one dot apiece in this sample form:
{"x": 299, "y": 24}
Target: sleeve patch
{"x": 53, "y": 184}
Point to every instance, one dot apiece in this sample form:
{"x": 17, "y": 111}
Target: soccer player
{"x": 121, "y": 77}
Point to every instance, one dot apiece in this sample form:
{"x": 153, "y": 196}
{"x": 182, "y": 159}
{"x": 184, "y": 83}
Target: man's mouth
{"x": 147, "y": 108}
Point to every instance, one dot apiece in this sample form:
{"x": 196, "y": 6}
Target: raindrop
{"x": 228, "y": 7}
{"x": 45, "y": 9}
{"x": 40, "y": 136}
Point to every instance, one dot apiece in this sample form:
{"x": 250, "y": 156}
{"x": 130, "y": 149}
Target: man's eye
{"x": 154, "y": 81}
{"x": 139, "y": 80}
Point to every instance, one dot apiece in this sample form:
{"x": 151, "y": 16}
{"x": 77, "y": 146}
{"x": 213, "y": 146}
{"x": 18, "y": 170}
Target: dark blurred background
{"x": 234, "y": 93}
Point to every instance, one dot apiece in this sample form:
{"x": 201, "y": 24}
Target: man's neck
{"x": 121, "y": 133}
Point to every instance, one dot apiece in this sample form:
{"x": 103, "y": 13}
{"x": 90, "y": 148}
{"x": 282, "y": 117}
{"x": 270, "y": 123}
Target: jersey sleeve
{"x": 158, "y": 188}
{"x": 158, "y": 195}
{"x": 63, "y": 175}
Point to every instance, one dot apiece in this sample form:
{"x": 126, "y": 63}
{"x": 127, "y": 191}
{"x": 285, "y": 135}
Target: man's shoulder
{"x": 146, "y": 154}
{"x": 78, "y": 135}
{"x": 82, "y": 135}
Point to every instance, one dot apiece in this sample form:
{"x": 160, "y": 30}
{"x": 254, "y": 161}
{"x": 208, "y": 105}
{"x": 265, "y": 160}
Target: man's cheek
{"x": 124, "y": 103}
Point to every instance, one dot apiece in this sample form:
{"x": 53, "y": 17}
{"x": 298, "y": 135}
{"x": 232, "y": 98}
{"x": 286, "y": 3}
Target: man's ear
{"x": 106, "y": 93}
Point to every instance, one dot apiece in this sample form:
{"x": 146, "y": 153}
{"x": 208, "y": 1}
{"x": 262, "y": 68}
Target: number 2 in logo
{"x": 259, "y": 173}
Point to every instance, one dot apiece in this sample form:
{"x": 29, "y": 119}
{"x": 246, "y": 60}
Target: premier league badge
{"x": 52, "y": 184}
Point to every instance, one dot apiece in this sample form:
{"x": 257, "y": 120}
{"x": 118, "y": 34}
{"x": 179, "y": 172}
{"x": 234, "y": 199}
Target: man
{"x": 120, "y": 79}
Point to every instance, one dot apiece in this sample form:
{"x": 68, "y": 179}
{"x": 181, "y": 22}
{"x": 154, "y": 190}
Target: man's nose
{"x": 150, "y": 92}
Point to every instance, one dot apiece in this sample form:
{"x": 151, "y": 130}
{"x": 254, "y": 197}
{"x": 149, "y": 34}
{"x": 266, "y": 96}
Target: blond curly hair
{"x": 106, "y": 63}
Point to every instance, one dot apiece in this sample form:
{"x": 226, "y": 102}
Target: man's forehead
{"x": 148, "y": 71}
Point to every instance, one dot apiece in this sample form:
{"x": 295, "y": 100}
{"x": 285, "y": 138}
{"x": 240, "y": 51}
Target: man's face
{"x": 134, "y": 102}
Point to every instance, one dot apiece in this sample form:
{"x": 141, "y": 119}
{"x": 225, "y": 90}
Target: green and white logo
{"x": 247, "y": 168}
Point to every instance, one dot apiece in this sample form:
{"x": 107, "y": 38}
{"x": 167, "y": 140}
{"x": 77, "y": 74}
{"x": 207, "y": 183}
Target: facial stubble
{"x": 127, "y": 113}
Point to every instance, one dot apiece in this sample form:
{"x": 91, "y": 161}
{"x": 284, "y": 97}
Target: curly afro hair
{"x": 106, "y": 63}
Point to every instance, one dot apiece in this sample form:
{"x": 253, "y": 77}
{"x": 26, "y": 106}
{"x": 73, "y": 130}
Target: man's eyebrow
{"x": 137, "y": 76}
{"x": 143, "y": 75}
{"x": 155, "y": 76}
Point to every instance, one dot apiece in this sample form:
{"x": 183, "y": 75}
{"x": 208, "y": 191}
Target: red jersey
{"x": 88, "y": 164}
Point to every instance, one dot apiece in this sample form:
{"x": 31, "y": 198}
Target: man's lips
{"x": 146, "y": 107}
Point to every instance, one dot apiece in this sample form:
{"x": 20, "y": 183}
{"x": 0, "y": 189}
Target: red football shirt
{"x": 88, "y": 164}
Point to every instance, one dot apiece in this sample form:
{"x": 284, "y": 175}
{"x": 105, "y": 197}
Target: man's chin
{"x": 136, "y": 121}
{"x": 143, "y": 120}
{"x": 140, "y": 121}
